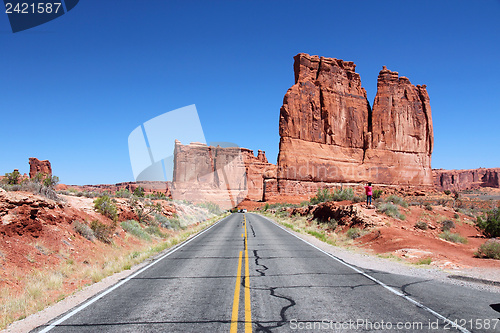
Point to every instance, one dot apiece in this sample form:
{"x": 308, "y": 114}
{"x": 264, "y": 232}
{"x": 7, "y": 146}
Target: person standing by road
{"x": 369, "y": 194}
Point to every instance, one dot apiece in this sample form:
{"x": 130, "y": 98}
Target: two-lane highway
{"x": 247, "y": 274}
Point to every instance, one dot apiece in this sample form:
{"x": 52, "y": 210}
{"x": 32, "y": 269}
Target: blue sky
{"x": 73, "y": 89}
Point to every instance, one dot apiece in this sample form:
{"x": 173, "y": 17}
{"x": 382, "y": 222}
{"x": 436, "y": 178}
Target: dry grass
{"x": 321, "y": 231}
{"x": 43, "y": 288}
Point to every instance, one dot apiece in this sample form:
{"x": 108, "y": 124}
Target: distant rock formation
{"x": 225, "y": 176}
{"x": 458, "y": 180}
{"x": 37, "y": 166}
{"x": 330, "y": 134}
{"x": 149, "y": 187}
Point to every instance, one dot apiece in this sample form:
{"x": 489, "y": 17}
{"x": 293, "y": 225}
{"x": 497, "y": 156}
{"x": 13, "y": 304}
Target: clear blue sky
{"x": 73, "y": 89}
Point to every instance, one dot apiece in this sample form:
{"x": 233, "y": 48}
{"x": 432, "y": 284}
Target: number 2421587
{"x": 39, "y": 8}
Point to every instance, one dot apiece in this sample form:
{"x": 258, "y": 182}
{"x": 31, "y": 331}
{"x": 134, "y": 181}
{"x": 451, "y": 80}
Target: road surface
{"x": 248, "y": 274}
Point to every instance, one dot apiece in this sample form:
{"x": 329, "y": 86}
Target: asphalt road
{"x": 238, "y": 270}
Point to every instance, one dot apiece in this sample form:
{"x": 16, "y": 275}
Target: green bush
{"x": 421, "y": 225}
{"x": 266, "y": 207}
{"x": 377, "y": 194}
{"x": 134, "y": 228}
{"x": 451, "y": 237}
{"x": 447, "y": 192}
{"x": 155, "y": 231}
{"x": 169, "y": 223}
{"x": 357, "y": 199}
{"x": 343, "y": 194}
{"x": 139, "y": 192}
{"x": 424, "y": 261}
{"x": 12, "y": 178}
{"x": 490, "y": 223}
{"x": 490, "y": 249}
{"x": 123, "y": 193}
{"x": 211, "y": 207}
{"x": 353, "y": 233}
{"x": 106, "y": 206}
{"x": 391, "y": 210}
{"x": 397, "y": 200}
{"x": 322, "y": 195}
{"x": 447, "y": 225}
{"x": 428, "y": 207}
{"x": 101, "y": 231}
{"x": 84, "y": 230}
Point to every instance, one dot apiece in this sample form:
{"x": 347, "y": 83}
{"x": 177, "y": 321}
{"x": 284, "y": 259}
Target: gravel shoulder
{"x": 368, "y": 262}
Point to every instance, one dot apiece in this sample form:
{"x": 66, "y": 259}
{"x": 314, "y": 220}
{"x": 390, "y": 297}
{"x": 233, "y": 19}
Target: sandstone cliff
{"x": 466, "y": 179}
{"x": 329, "y": 133}
{"x": 225, "y": 176}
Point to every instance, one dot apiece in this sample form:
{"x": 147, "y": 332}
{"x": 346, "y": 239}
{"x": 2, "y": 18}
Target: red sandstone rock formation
{"x": 330, "y": 134}
{"x": 225, "y": 176}
{"x": 37, "y": 166}
{"x": 466, "y": 179}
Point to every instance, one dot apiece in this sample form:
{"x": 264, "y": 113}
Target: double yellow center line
{"x": 236, "y": 301}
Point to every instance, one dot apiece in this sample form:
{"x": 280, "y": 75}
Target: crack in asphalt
{"x": 272, "y": 292}
{"x": 264, "y": 267}
{"x": 284, "y": 320}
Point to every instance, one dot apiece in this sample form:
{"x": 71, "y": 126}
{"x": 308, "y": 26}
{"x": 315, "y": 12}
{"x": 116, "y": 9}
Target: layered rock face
{"x": 466, "y": 179}
{"x": 330, "y": 134}
{"x": 225, "y": 176}
{"x": 37, "y": 166}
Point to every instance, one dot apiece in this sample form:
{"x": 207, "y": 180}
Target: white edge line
{"x": 394, "y": 291}
{"x": 107, "y": 291}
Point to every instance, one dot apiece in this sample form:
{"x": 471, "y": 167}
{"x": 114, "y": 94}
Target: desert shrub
{"x": 391, "y": 210}
{"x": 343, "y": 194}
{"x": 101, "y": 231}
{"x": 397, "y": 200}
{"x": 447, "y": 192}
{"x": 490, "y": 223}
{"x": 428, "y": 207}
{"x": 12, "y": 178}
{"x": 157, "y": 196}
{"x": 169, "y": 223}
{"x": 266, "y": 206}
{"x": 146, "y": 213}
{"x": 35, "y": 188}
{"x": 456, "y": 216}
{"x": 357, "y": 199}
{"x": 452, "y": 237}
{"x": 490, "y": 249}
{"x": 447, "y": 225}
{"x": 88, "y": 194}
{"x": 123, "y": 193}
{"x": 155, "y": 231}
{"x": 424, "y": 261}
{"x": 84, "y": 230}
{"x": 322, "y": 195}
{"x": 134, "y": 228}
{"x": 377, "y": 194}
{"x": 139, "y": 192}
{"x": 211, "y": 207}
{"x": 421, "y": 225}
{"x": 106, "y": 206}
{"x": 353, "y": 233}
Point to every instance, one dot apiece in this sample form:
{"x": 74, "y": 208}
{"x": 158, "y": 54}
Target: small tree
{"x": 490, "y": 223}
{"x": 139, "y": 191}
{"x": 106, "y": 206}
{"x": 13, "y": 177}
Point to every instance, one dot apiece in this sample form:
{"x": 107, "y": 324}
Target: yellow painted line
{"x": 248, "y": 305}
{"x": 242, "y": 235}
{"x": 236, "y": 301}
